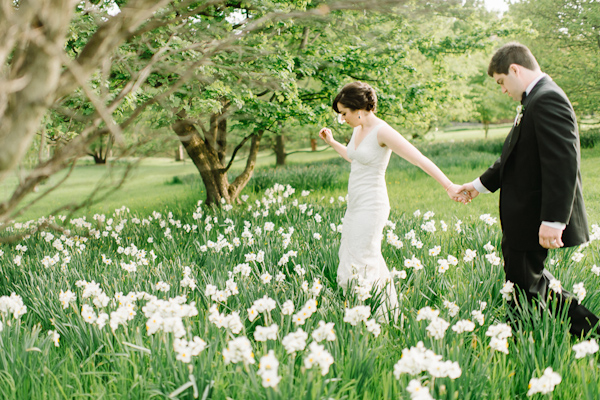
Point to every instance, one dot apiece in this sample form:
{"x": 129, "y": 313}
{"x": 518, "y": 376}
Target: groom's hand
{"x": 470, "y": 189}
{"x": 550, "y": 238}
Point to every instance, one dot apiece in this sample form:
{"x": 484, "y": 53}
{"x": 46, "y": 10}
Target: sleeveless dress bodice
{"x": 368, "y": 211}
{"x": 366, "y": 185}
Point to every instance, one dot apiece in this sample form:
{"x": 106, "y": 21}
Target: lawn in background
{"x": 160, "y": 182}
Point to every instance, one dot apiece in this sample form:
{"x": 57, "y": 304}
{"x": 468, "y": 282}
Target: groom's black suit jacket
{"x": 538, "y": 172}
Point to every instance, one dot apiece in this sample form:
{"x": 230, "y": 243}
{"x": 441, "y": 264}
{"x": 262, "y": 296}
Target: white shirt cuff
{"x": 482, "y": 189}
{"x": 479, "y": 186}
{"x": 555, "y": 225}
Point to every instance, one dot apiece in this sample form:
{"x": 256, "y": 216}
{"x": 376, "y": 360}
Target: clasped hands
{"x": 462, "y": 193}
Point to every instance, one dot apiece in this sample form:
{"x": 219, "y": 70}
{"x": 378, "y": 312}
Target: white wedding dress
{"x": 368, "y": 211}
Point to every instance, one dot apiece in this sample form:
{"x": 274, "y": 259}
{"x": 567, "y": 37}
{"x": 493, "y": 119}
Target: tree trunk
{"x": 313, "y": 144}
{"x": 179, "y": 153}
{"x": 280, "y": 150}
{"x": 418, "y": 135}
{"x": 486, "y": 128}
{"x": 21, "y": 111}
{"x": 100, "y": 154}
{"x": 210, "y": 136}
{"x": 217, "y": 132}
{"x": 109, "y": 143}
{"x": 98, "y": 159}
{"x": 97, "y": 154}
{"x": 208, "y": 162}
{"x": 222, "y": 136}
{"x": 43, "y": 153}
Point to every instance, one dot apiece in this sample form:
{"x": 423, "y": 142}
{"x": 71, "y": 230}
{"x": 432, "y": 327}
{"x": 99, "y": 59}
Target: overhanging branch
{"x": 46, "y": 193}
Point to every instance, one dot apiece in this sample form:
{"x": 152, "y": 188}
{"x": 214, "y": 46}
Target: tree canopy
{"x": 565, "y": 38}
{"x": 218, "y": 75}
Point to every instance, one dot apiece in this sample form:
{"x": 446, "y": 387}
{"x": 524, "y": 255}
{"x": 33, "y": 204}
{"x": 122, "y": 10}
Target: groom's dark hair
{"x": 356, "y": 96}
{"x": 512, "y": 53}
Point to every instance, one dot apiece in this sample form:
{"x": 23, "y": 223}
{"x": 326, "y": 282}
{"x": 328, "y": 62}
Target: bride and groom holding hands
{"x": 538, "y": 175}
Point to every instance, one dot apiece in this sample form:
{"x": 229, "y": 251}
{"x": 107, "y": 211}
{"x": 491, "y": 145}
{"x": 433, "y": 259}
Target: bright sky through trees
{"x": 496, "y": 5}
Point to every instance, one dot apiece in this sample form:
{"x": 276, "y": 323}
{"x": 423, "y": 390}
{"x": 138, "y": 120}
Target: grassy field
{"x": 242, "y": 303}
{"x": 171, "y": 301}
{"x": 158, "y": 183}
{"x": 468, "y": 133}
{"x": 151, "y": 185}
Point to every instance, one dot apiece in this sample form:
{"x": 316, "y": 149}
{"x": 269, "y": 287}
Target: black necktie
{"x": 523, "y": 97}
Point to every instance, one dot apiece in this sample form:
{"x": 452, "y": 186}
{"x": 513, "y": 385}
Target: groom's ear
{"x": 515, "y": 68}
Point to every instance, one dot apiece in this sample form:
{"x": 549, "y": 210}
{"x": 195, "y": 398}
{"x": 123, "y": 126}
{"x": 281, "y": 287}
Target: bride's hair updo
{"x": 356, "y": 96}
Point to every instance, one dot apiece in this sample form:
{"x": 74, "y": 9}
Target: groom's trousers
{"x": 526, "y": 270}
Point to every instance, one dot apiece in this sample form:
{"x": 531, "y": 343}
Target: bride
{"x": 368, "y": 151}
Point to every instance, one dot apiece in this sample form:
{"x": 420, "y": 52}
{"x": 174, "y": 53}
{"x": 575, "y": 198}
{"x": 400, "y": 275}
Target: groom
{"x": 541, "y": 201}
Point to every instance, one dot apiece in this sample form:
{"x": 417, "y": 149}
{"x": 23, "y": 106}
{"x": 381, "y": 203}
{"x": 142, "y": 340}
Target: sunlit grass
{"x": 129, "y": 363}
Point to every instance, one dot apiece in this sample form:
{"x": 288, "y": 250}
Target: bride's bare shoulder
{"x": 386, "y": 132}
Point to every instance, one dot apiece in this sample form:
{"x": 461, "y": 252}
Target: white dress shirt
{"x": 482, "y": 189}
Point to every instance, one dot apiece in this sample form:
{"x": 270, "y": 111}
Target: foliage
{"x": 491, "y": 105}
{"x": 564, "y": 38}
{"x": 123, "y": 71}
{"x": 410, "y": 59}
{"x": 589, "y": 138}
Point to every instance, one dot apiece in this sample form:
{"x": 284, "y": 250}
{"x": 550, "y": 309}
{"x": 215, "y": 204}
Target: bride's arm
{"x": 327, "y": 136}
{"x": 399, "y": 145}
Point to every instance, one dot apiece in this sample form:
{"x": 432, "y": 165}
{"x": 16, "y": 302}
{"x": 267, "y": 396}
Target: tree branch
{"x": 107, "y": 37}
{"x": 23, "y": 110}
{"x": 237, "y": 148}
{"x": 362, "y": 78}
{"x": 305, "y": 36}
{"x": 307, "y": 151}
{"x": 245, "y": 175}
{"x": 181, "y": 17}
{"x": 139, "y": 78}
{"x": 44, "y": 170}
{"x": 47, "y": 192}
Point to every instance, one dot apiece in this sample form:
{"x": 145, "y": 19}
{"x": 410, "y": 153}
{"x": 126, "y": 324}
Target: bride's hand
{"x": 326, "y": 135}
{"x": 457, "y": 193}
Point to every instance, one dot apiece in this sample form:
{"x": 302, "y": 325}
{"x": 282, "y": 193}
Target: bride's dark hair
{"x": 356, "y": 96}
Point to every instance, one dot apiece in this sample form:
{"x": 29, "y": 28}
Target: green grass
{"x": 148, "y": 187}
{"x": 473, "y": 133}
{"x": 157, "y": 183}
{"x": 127, "y": 363}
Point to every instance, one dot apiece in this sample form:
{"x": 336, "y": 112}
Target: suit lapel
{"x": 509, "y": 143}
{"x": 513, "y": 136}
